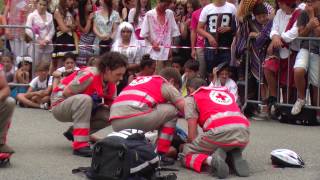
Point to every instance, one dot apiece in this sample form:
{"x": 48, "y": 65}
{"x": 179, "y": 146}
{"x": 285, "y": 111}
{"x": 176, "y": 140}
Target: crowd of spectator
{"x": 71, "y": 34}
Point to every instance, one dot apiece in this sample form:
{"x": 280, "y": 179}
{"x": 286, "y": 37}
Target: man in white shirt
{"x": 158, "y": 28}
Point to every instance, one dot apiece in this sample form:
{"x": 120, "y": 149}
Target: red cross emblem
{"x": 222, "y": 97}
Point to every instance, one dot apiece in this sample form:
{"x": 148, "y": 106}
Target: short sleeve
{"x": 175, "y": 29}
{"x": 34, "y": 82}
{"x": 194, "y": 21}
{"x": 145, "y": 26}
{"x": 61, "y": 69}
{"x": 170, "y": 93}
{"x": 190, "y": 108}
{"x": 132, "y": 12}
{"x": 203, "y": 15}
{"x": 80, "y": 82}
{"x": 116, "y": 17}
{"x": 50, "y": 82}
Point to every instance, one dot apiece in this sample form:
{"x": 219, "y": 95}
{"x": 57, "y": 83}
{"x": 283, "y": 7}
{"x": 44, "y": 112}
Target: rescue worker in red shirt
{"x": 225, "y": 132}
{"x": 84, "y": 98}
{"x": 7, "y": 105}
{"x": 150, "y": 103}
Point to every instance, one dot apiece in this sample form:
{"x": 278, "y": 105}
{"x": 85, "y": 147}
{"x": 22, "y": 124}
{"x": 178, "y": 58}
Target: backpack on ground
{"x": 124, "y": 155}
{"x": 306, "y": 117}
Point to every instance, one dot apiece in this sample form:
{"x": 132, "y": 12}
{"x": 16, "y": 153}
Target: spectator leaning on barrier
{"x": 283, "y": 34}
{"x": 7, "y": 105}
{"x": 159, "y": 28}
{"x": 197, "y": 40}
{"x": 84, "y": 98}
{"x": 42, "y": 26}
{"x": 84, "y": 21}
{"x": 217, "y": 24}
{"x": 105, "y": 24}
{"x": 308, "y": 58}
{"x": 15, "y": 13}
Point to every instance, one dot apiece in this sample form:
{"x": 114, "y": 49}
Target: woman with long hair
{"x": 65, "y": 32}
{"x": 136, "y": 15}
{"x": 84, "y": 20}
{"x": 105, "y": 23}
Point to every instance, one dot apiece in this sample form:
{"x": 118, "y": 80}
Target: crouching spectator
{"x": 283, "y": 33}
{"x": 7, "y": 105}
{"x": 69, "y": 66}
{"x": 221, "y": 78}
{"x": 308, "y": 56}
{"x": 226, "y": 132}
{"x": 38, "y": 94}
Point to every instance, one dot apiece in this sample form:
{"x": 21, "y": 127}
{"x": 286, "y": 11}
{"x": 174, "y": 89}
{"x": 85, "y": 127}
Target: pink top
{"x": 194, "y": 24}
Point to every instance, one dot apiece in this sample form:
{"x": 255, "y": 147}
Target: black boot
{"x": 69, "y": 134}
{"x": 219, "y": 166}
{"x": 83, "y": 152}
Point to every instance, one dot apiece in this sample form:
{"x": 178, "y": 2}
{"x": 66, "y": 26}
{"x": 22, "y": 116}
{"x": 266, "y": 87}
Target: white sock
{"x": 208, "y": 160}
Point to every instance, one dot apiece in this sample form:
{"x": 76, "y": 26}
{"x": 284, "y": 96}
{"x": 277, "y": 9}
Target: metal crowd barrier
{"x": 261, "y": 80}
{"x": 33, "y": 49}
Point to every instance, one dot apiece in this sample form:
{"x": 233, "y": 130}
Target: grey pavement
{"x": 43, "y": 153}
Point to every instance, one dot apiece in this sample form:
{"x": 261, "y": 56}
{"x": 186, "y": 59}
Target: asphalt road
{"x": 43, "y": 153}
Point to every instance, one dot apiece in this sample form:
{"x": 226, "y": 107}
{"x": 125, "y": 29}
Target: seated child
{"x": 147, "y": 68}
{"x": 177, "y": 63}
{"x": 38, "y": 94}
{"x": 225, "y": 132}
{"x": 69, "y": 66}
{"x": 24, "y": 72}
{"x": 221, "y": 77}
{"x": 8, "y": 66}
{"x": 191, "y": 70}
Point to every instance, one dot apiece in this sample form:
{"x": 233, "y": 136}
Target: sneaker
{"x": 296, "y": 109}
{"x": 272, "y": 104}
{"x": 166, "y": 161}
{"x": 239, "y": 165}
{"x": 83, "y": 152}
{"x": 44, "y": 106}
{"x": 219, "y": 166}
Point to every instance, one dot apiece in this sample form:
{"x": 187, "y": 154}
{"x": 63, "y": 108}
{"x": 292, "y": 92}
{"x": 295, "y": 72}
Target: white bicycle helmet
{"x": 286, "y": 158}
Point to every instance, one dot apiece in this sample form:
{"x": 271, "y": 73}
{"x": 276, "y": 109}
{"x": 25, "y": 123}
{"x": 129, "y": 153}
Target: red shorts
{"x": 275, "y": 65}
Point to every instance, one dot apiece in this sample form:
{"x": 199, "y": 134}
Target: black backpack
{"x": 124, "y": 155}
{"x": 306, "y": 117}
